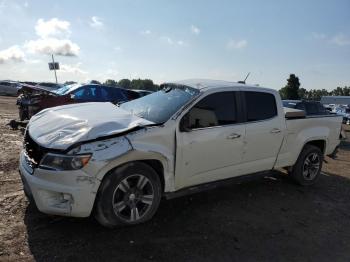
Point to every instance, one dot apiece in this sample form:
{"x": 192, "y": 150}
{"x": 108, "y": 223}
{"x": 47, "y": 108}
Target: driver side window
{"x": 217, "y": 109}
{"x": 85, "y": 93}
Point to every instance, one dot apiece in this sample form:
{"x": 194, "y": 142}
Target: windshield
{"x": 65, "y": 89}
{"x": 289, "y": 104}
{"x": 160, "y": 106}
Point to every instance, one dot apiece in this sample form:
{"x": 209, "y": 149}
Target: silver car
{"x": 9, "y": 88}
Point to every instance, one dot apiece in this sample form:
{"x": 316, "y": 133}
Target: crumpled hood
{"x": 60, "y": 127}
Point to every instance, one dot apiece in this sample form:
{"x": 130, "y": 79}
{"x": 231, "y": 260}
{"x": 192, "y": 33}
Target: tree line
{"x": 142, "y": 84}
{"x": 292, "y": 91}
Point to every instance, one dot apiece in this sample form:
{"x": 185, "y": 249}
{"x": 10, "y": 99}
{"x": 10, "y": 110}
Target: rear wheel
{"x": 129, "y": 195}
{"x": 308, "y": 167}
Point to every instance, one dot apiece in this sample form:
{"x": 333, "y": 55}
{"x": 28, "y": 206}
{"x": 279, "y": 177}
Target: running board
{"x": 216, "y": 184}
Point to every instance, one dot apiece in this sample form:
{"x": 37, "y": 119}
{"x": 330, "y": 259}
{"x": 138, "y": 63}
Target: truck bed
{"x": 303, "y": 129}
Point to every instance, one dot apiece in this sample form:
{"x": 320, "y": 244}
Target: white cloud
{"x": 13, "y": 53}
{"x": 34, "y": 61}
{"x": 26, "y": 4}
{"x": 195, "y": 30}
{"x": 108, "y": 74}
{"x": 340, "y": 40}
{"x": 73, "y": 69}
{"x": 96, "y": 22}
{"x": 237, "y": 44}
{"x": 117, "y": 49}
{"x": 318, "y": 36}
{"x": 146, "y": 32}
{"x": 112, "y": 72}
{"x": 63, "y": 47}
{"x": 52, "y": 27}
{"x": 180, "y": 42}
{"x": 53, "y": 39}
{"x": 170, "y": 41}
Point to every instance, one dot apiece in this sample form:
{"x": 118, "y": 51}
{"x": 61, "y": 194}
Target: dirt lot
{"x": 270, "y": 219}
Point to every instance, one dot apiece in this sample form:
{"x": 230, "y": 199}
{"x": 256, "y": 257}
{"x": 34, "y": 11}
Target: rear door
{"x": 212, "y": 147}
{"x": 264, "y": 131}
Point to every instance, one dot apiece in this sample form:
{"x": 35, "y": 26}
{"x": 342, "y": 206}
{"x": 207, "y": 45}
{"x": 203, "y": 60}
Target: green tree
{"x": 143, "y": 84}
{"x": 110, "y": 82}
{"x": 290, "y": 91}
{"x": 95, "y": 82}
{"x": 303, "y": 93}
{"x": 316, "y": 94}
{"x": 341, "y": 91}
{"x": 148, "y": 85}
{"x": 124, "y": 83}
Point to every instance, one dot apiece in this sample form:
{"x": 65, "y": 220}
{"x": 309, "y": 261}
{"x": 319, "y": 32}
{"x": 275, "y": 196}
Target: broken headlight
{"x": 64, "y": 162}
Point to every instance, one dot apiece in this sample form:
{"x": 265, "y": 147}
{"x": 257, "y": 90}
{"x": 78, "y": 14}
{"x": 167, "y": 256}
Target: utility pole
{"x": 54, "y": 67}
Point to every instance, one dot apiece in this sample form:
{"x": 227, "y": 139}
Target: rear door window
{"x": 217, "y": 109}
{"x": 311, "y": 109}
{"x": 106, "y": 94}
{"x": 119, "y": 95}
{"x": 321, "y": 109}
{"x": 259, "y": 106}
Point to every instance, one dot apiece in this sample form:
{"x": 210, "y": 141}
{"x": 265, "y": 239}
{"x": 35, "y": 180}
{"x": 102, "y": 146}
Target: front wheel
{"x": 308, "y": 167}
{"x": 129, "y": 195}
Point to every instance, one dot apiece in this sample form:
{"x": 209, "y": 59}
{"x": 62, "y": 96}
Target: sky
{"x": 167, "y": 40}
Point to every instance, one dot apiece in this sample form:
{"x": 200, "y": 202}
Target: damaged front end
{"x": 32, "y": 100}
{"x": 65, "y": 182}
{"x": 29, "y": 101}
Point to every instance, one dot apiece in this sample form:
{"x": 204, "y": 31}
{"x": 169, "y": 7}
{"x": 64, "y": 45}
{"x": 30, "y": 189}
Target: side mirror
{"x": 185, "y": 124}
{"x": 72, "y": 96}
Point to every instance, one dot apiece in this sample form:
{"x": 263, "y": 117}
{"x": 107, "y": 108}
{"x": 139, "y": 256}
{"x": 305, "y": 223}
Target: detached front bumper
{"x": 66, "y": 193}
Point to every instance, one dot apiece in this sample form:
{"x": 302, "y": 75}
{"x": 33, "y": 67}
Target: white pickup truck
{"x": 117, "y": 162}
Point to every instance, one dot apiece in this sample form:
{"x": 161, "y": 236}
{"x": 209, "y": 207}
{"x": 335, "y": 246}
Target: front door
{"x": 211, "y": 146}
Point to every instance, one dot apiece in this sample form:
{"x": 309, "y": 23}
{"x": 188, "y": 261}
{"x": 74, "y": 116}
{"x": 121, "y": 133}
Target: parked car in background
{"x": 49, "y": 86}
{"x": 131, "y": 94}
{"x": 117, "y": 162}
{"x": 310, "y": 107}
{"x": 335, "y": 100}
{"x": 142, "y": 92}
{"x": 29, "y": 83}
{"x": 36, "y": 98}
{"x": 136, "y": 93}
{"x": 329, "y": 107}
{"x": 9, "y": 88}
{"x": 343, "y": 111}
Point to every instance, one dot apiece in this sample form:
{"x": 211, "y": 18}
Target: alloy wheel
{"x": 311, "y": 166}
{"x": 133, "y": 198}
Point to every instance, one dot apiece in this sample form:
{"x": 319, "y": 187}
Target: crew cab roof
{"x": 202, "y": 84}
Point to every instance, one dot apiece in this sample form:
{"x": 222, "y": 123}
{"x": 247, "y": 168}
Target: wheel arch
{"x": 155, "y": 164}
{"x": 319, "y": 143}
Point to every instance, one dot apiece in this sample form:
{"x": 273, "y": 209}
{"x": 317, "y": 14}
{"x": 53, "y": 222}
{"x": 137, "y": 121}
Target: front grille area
{"x": 34, "y": 151}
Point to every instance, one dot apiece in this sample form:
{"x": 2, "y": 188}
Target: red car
{"x": 36, "y": 98}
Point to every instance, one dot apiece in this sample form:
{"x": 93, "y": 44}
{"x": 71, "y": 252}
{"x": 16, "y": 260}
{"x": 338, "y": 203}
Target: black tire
{"x": 128, "y": 188}
{"x": 22, "y": 113}
{"x": 306, "y": 171}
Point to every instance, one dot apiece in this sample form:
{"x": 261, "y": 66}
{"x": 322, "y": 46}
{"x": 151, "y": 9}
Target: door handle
{"x": 233, "y": 136}
{"x": 275, "y": 131}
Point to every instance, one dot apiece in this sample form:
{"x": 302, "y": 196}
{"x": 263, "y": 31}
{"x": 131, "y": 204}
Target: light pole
{"x": 54, "y": 67}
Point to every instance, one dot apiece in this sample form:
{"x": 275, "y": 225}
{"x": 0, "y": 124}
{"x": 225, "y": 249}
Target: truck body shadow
{"x": 268, "y": 219}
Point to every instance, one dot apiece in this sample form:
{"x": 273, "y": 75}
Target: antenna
{"x": 245, "y": 79}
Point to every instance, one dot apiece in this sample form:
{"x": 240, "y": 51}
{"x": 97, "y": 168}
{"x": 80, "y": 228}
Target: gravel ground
{"x": 269, "y": 219}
